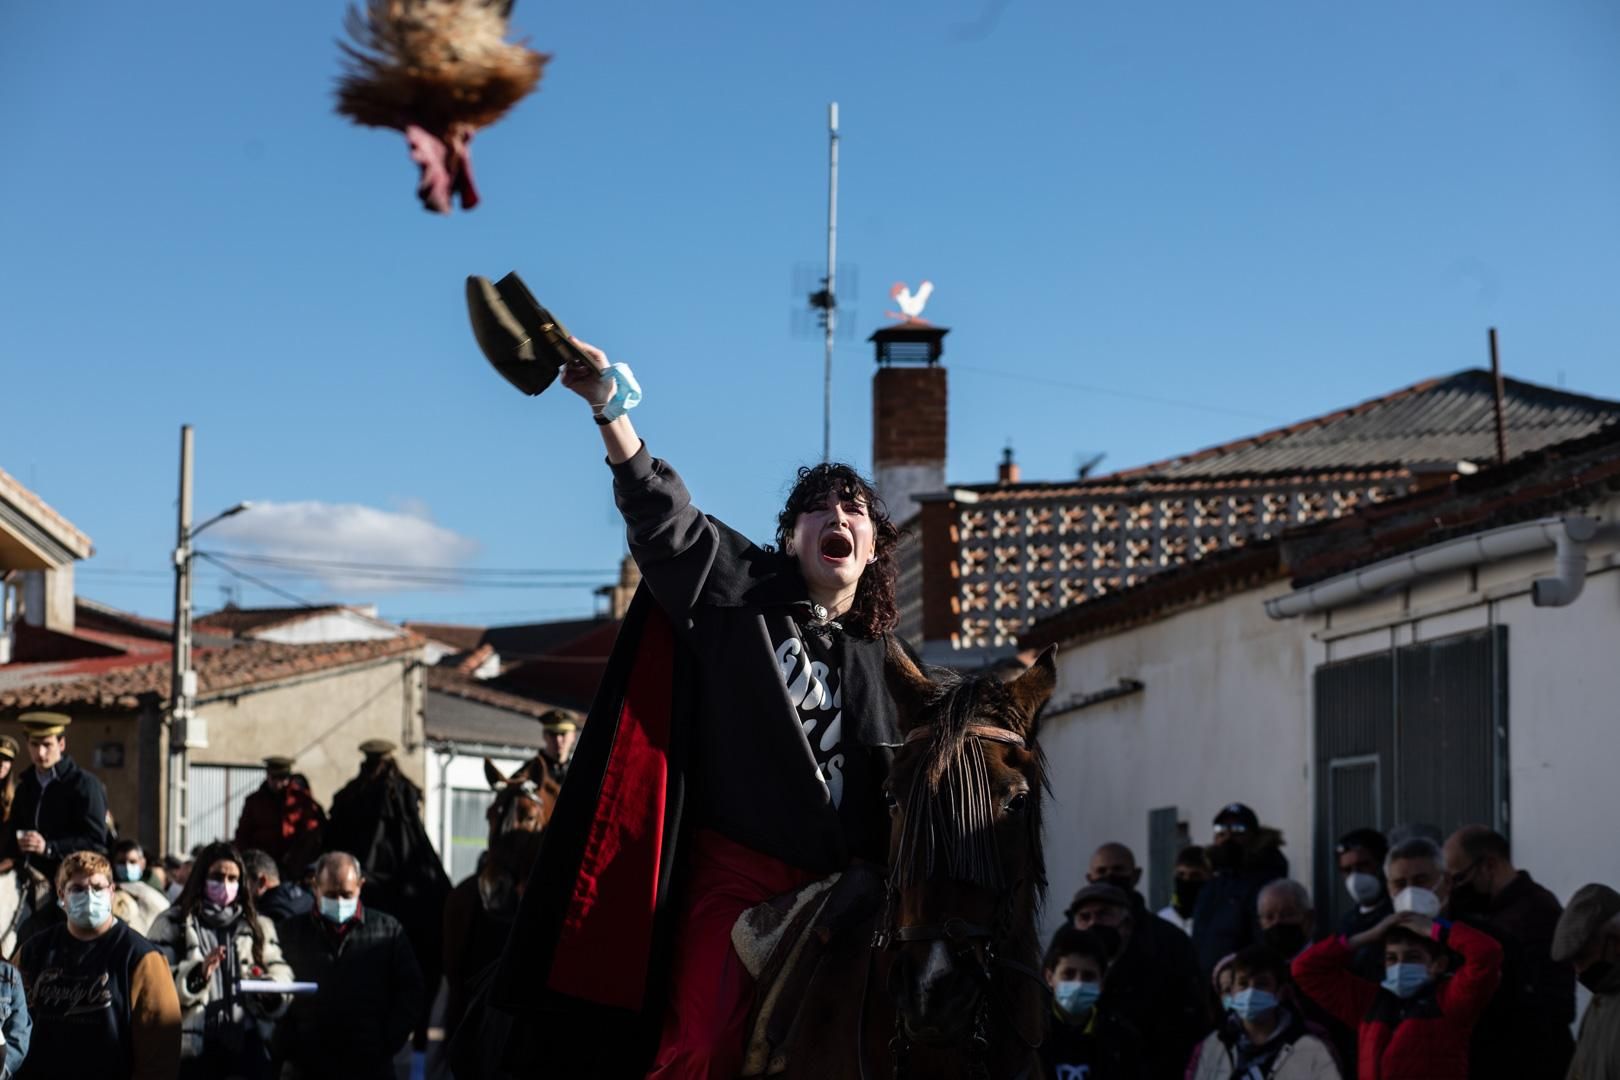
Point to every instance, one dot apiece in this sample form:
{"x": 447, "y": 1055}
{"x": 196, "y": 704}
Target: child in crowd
{"x": 1265, "y": 1036}
{"x": 1084, "y": 1039}
{"x": 1417, "y": 1024}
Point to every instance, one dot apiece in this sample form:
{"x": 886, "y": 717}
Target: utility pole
{"x": 185, "y": 731}
{"x": 830, "y": 312}
{"x": 183, "y": 679}
{"x": 1499, "y": 402}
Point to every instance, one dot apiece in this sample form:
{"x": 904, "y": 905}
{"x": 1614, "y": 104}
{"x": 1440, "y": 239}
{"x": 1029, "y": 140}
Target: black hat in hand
{"x": 522, "y": 340}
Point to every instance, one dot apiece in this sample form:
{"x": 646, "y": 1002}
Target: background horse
{"x": 951, "y": 983}
{"x": 24, "y": 891}
{"x": 479, "y": 911}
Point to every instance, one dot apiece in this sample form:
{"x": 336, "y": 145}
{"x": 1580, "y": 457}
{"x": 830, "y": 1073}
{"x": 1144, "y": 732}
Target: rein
{"x": 962, "y": 935}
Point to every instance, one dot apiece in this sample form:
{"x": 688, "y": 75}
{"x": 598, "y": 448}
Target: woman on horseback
{"x": 787, "y": 721}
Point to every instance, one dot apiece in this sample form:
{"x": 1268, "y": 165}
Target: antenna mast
{"x": 829, "y": 307}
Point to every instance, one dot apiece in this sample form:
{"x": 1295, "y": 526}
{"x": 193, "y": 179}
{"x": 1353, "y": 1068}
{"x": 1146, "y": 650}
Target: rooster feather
{"x": 437, "y": 70}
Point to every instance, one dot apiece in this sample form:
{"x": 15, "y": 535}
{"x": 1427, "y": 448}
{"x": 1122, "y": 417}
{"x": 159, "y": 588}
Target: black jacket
{"x": 370, "y": 994}
{"x": 692, "y": 726}
{"x": 1526, "y": 1027}
{"x": 1102, "y": 1047}
{"x": 1156, "y": 989}
{"x": 285, "y": 901}
{"x": 72, "y": 815}
{"x": 1227, "y": 917}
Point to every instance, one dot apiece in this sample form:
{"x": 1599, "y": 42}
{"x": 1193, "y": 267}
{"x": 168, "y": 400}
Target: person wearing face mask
{"x": 1360, "y": 854}
{"x": 213, "y": 937}
{"x": 370, "y": 984}
{"x": 1287, "y": 928}
{"x": 1527, "y": 1028}
{"x": 1148, "y": 987}
{"x": 1245, "y": 857}
{"x": 1416, "y": 1024}
{"x": 1191, "y": 872}
{"x": 1084, "y": 1039}
{"x": 1267, "y": 1037}
{"x": 100, "y": 995}
{"x": 141, "y": 903}
{"x": 1588, "y": 937}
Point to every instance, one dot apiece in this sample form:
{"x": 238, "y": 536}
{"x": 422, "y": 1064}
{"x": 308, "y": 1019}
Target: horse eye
{"x": 890, "y": 801}
{"x": 1018, "y": 802}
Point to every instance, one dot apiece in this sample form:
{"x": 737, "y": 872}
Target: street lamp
{"x": 183, "y": 678}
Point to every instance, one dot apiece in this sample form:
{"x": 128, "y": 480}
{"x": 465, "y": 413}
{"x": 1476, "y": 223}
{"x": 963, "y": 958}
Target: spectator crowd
{"x": 1450, "y": 963}
{"x": 287, "y": 955}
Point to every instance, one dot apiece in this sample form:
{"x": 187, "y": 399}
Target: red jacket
{"x": 286, "y": 825}
{"x": 1422, "y": 1038}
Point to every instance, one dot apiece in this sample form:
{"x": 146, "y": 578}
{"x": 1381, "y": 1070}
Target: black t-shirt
{"x": 810, "y": 658}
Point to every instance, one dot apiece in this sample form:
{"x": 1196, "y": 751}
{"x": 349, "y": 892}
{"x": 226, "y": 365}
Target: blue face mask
{"x": 1226, "y": 1002}
{"x": 128, "y": 871}
{"x": 339, "y": 909}
{"x": 1252, "y": 1004}
{"x": 90, "y": 908}
{"x": 1076, "y": 998}
{"x": 1405, "y": 980}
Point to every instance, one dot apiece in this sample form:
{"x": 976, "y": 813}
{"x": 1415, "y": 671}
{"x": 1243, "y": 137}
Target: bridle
{"x": 963, "y": 938}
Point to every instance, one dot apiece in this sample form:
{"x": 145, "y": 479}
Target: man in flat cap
{"x": 560, "y": 727}
{"x": 1588, "y": 936}
{"x": 282, "y": 819}
{"x": 59, "y": 808}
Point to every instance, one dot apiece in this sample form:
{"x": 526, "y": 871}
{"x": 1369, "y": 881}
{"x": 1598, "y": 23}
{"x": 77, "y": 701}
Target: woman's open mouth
{"x": 836, "y": 547}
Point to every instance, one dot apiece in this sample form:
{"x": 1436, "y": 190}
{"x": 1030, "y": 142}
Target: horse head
{"x": 523, "y": 801}
{"x": 966, "y": 868}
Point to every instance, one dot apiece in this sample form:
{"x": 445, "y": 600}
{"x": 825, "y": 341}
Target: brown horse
{"x": 523, "y": 801}
{"x": 951, "y": 984}
{"x": 480, "y": 909}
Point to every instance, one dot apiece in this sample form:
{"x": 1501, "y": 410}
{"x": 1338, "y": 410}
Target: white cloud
{"x": 342, "y": 533}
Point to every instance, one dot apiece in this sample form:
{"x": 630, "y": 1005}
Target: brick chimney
{"x": 1007, "y": 471}
{"x": 619, "y": 595}
{"x": 908, "y": 415}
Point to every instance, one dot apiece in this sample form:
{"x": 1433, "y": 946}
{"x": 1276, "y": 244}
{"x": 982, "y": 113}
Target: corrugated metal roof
{"x": 1442, "y": 421}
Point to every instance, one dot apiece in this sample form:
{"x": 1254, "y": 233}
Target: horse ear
{"x": 907, "y": 684}
{"x": 493, "y": 775}
{"x": 1034, "y": 687}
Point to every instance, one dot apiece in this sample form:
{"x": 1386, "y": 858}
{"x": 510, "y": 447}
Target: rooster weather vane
{"x": 911, "y": 303}
{"x": 437, "y": 71}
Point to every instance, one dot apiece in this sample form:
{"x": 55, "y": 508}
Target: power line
{"x": 469, "y": 571}
{"x": 250, "y": 579}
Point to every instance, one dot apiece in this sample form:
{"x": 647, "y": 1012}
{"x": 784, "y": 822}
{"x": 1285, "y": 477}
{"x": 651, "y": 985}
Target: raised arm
{"x": 1466, "y": 993}
{"x": 1323, "y": 974}
{"x": 673, "y": 543}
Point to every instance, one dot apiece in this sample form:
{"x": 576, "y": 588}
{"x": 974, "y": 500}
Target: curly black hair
{"x": 874, "y": 611}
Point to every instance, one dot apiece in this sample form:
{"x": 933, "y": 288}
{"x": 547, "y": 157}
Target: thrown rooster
{"x": 437, "y": 70}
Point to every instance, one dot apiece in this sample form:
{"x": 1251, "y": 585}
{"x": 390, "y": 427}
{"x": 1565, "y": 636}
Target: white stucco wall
{"x": 1223, "y": 717}
{"x": 329, "y": 627}
{"x": 1563, "y": 695}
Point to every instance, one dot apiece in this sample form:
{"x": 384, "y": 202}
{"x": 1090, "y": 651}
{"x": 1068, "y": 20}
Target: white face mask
{"x": 1418, "y": 899}
{"x": 1364, "y": 889}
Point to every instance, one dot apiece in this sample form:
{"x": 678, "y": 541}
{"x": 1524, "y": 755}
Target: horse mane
{"x": 957, "y": 833}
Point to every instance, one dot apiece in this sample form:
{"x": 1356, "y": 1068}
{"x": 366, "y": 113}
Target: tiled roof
{"x": 1437, "y": 422}
{"x": 124, "y": 682}
{"x": 455, "y": 719}
{"x": 1554, "y": 479}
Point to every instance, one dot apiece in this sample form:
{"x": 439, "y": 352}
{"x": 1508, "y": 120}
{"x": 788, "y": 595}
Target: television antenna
{"x": 825, "y": 300}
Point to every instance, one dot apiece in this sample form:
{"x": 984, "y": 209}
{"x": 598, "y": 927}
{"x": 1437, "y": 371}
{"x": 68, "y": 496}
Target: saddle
{"x": 781, "y": 943}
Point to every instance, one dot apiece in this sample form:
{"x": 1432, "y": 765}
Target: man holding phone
{"x": 59, "y": 808}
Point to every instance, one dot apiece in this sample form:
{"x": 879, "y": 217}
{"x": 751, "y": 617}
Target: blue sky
{"x": 1202, "y": 218}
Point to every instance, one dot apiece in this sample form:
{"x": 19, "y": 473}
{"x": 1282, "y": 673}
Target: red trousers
{"x": 704, "y": 1036}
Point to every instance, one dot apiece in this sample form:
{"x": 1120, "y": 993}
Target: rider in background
{"x": 791, "y": 718}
